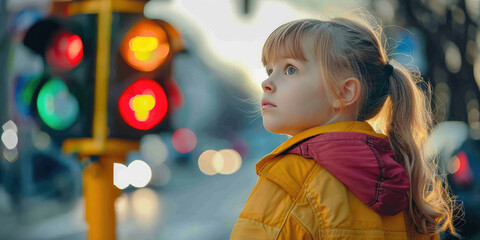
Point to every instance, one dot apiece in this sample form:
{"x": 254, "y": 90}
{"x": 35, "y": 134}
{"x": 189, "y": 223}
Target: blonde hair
{"x": 351, "y": 47}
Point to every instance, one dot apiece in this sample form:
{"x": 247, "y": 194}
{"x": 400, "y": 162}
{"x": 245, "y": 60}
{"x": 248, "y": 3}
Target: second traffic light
{"x": 61, "y": 97}
{"x": 141, "y": 82}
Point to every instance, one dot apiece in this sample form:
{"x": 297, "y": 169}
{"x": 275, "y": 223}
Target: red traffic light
{"x": 65, "y": 51}
{"x": 143, "y": 104}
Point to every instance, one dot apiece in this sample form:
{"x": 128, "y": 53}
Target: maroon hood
{"x": 365, "y": 164}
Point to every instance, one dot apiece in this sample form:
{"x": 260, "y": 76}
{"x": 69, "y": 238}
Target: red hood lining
{"x": 365, "y": 164}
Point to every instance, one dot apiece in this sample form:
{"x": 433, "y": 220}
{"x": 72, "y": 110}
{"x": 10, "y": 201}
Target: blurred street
{"x": 192, "y": 206}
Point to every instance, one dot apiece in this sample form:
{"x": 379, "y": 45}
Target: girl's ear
{"x": 350, "y": 92}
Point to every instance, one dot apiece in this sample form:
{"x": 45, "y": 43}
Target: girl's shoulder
{"x": 289, "y": 171}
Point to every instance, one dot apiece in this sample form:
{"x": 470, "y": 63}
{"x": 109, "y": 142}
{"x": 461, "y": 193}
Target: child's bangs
{"x": 285, "y": 42}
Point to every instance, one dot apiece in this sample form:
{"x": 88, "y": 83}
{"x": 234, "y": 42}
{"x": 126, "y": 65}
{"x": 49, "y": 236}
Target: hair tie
{"x": 388, "y": 70}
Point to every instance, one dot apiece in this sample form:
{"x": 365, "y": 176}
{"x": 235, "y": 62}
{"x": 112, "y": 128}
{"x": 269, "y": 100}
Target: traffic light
{"x": 107, "y": 82}
{"x": 61, "y": 97}
{"x": 141, "y": 88}
{"x": 141, "y": 83}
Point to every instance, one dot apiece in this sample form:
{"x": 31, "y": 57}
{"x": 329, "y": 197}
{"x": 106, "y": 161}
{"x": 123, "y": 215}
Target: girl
{"x": 329, "y": 84}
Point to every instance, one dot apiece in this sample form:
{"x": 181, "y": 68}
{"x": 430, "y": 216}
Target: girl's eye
{"x": 269, "y": 71}
{"x": 291, "y": 70}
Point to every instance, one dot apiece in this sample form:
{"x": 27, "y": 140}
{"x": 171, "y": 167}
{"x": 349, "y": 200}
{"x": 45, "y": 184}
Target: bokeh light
{"x": 445, "y": 139}
{"x": 145, "y": 204}
{"x": 385, "y": 9}
{"x": 122, "y": 207}
{"x": 473, "y": 115}
{"x": 463, "y": 173}
{"x": 453, "y": 164}
{"x": 232, "y": 161}
{"x": 218, "y": 162}
{"x": 476, "y": 68}
{"x": 442, "y": 99}
{"x": 453, "y": 58}
{"x": 226, "y": 161}
{"x": 205, "y": 162}
{"x": 121, "y": 177}
{"x": 10, "y": 154}
{"x": 9, "y": 135}
{"x": 473, "y": 9}
{"x": 10, "y": 139}
{"x": 184, "y": 140}
{"x": 153, "y": 149}
{"x": 140, "y": 173}
{"x": 458, "y": 15}
{"x": 10, "y": 125}
{"x": 161, "y": 176}
{"x": 41, "y": 140}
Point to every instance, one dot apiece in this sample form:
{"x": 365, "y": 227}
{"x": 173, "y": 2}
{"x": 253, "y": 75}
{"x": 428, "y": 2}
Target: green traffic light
{"x": 57, "y": 107}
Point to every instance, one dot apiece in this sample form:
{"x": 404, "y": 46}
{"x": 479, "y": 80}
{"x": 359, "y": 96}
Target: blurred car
{"x": 459, "y": 157}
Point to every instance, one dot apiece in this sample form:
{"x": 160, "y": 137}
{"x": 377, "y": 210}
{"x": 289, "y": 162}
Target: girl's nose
{"x": 267, "y": 86}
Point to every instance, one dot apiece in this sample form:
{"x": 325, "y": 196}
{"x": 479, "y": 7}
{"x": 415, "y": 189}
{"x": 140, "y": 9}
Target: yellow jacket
{"x": 297, "y": 198}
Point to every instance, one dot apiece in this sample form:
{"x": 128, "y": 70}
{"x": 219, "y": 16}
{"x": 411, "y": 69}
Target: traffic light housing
{"x": 63, "y": 94}
{"x": 141, "y": 83}
{"x": 141, "y": 88}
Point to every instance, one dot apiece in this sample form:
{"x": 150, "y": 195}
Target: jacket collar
{"x": 345, "y": 126}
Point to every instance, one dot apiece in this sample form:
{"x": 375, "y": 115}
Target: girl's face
{"x": 297, "y": 94}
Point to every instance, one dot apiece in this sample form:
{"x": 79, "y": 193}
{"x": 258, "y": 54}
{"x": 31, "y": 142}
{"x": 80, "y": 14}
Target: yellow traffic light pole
{"x": 99, "y": 191}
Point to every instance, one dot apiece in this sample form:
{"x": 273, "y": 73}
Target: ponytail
{"x": 407, "y": 120}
